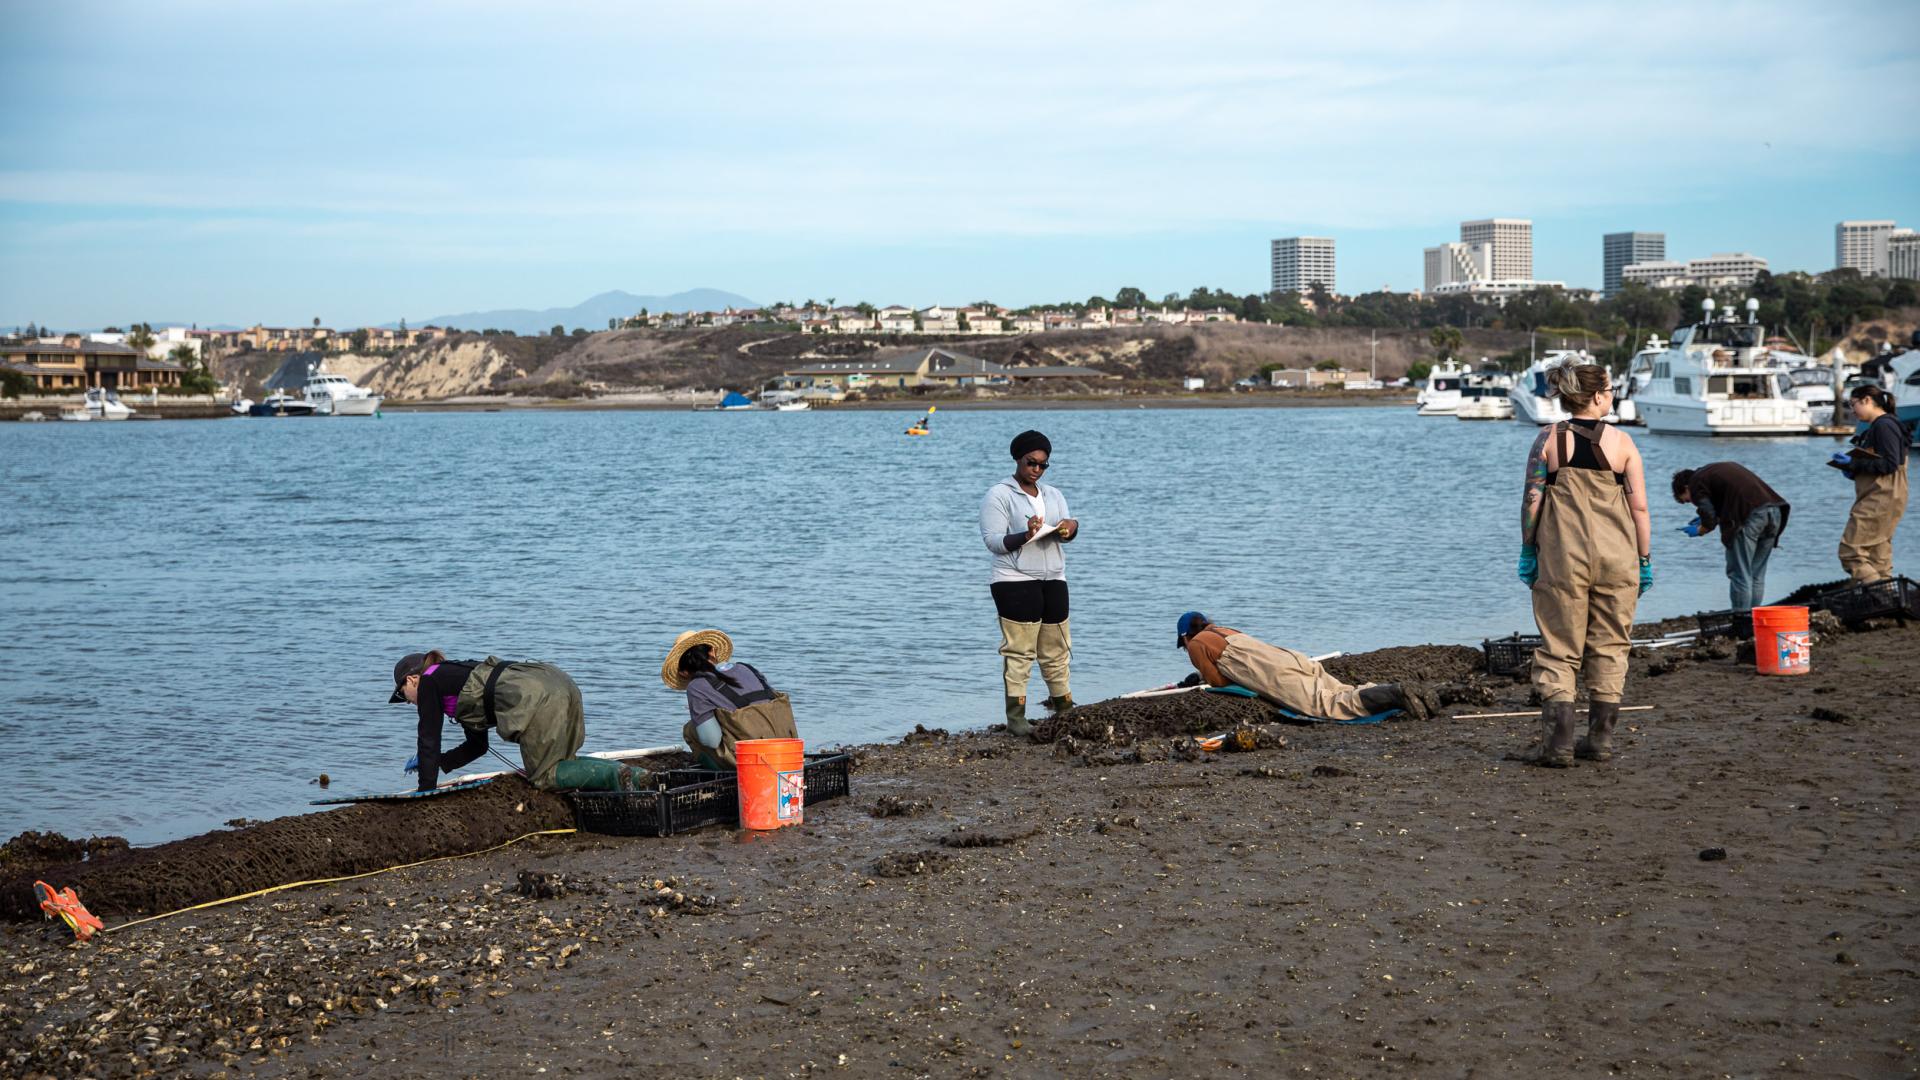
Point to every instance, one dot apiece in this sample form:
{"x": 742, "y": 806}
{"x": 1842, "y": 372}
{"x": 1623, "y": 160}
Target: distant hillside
{"x": 590, "y": 314}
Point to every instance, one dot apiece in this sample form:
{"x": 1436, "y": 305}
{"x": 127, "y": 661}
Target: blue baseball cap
{"x": 1186, "y": 627}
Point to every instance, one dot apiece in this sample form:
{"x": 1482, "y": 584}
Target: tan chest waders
{"x": 1866, "y": 547}
{"x": 756, "y": 714}
{"x": 1589, "y": 581}
{"x": 1288, "y": 678}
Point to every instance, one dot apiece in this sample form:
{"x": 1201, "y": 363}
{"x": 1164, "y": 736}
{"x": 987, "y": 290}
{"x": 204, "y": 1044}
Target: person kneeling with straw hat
{"x": 727, "y": 703}
{"x": 534, "y": 705}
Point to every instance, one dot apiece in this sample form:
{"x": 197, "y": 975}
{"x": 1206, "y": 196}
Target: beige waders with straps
{"x": 1866, "y": 547}
{"x": 1288, "y": 678}
{"x": 1584, "y": 598}
{"x": 534, "y": 705}
{"x": 756, "y": 714}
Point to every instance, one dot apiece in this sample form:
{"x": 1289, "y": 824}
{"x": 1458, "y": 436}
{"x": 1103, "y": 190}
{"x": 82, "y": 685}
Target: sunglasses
{"x": 1032, "y": 464}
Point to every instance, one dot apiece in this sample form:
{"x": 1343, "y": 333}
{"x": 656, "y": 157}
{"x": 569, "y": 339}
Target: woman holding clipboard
{"x": 1024, "y": 523}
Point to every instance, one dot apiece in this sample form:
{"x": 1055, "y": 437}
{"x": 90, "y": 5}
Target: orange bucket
{"x": 1780, "y": 642}
{"x": 773, "y": 782}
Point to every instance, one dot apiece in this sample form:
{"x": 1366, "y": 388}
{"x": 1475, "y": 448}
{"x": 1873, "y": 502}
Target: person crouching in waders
{"x": 726, "y": 703}
{"x": 1585, "y": 551}
{"x": 1294, "y": 680}
{"x": 532, "y": 704}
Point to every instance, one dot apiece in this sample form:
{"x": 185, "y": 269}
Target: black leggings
{"x": 1031, "y": 601}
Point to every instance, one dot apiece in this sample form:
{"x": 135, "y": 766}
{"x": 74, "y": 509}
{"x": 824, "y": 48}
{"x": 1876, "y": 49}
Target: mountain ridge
{"x": 590, "y": 314}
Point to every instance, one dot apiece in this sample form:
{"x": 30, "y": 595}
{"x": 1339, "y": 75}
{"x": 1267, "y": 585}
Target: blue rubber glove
{"x": 1529, "y": 565}
{"x": 1691, "y": 528}
{"x": 413, "y": 763}
{"x": 1646, "y": 574}
{"x": 1844, "y": 461}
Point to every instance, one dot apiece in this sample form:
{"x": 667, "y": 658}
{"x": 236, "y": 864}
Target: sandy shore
{"x": 1375, "y": 900}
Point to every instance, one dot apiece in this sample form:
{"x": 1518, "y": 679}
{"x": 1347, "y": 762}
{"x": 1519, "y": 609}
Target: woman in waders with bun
{"x": 1877, "y": 465}
{"x": 532, "y": 704}
{"x": 1585, "y": 551}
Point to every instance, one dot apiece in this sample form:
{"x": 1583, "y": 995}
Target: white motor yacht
{"x": 1440, "y": 395}
{"x": 1629, "y": 385}
{"x": 1485, "y": 396}
{"x": 1718, "y": 378}
{"x": 1534, "y": 402}
{"x": 1901, "y": 378}
{"x": 336, "y": 395}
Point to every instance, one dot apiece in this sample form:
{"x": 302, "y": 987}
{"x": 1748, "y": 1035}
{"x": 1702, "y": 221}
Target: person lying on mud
{"x": 726, "y": 702}
{"x": 532, "y": 704}
{"x": 1223, "y": 656}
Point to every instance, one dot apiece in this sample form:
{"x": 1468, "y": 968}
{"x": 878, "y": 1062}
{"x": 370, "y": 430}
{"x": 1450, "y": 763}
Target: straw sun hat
{"x": 721, "y": 644}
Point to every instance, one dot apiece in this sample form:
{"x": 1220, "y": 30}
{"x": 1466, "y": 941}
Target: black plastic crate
{"x": 829, "y": 776}
{"x": 1897, "y": 597}
{"x": 1730, "y": 623}
{"x": 1510, "y": 655}
{"x": 682, "y": 800}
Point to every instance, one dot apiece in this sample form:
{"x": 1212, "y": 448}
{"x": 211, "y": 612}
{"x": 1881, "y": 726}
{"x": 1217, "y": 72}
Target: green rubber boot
{"x": 1057, "y": 705}
{"x": 1017, "y": 724}
{"x": 598, "y": 774}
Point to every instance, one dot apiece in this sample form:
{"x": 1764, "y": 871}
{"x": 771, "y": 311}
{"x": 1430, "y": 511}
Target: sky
{"x": 237, "y": 162}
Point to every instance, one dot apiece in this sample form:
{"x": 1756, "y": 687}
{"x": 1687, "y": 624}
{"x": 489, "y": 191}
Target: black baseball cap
{"x": 411, "y": 664}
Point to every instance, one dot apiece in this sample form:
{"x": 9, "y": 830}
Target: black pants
{"x": 1031, "y": 601}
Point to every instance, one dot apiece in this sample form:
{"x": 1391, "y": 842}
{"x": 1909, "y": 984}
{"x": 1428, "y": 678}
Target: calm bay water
{"x": 198, "y": 618}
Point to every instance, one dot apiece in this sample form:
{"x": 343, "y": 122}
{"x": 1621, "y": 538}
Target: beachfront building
{"x": 1512, "y": 240}
{"x": 1903, "y": 254}
{"x": 1623, "y": 249}
{"x": 1862, "y": 246}
{"x": 1457, "y": 263}
{"x": 1309, "y": 378}
{"x": 1715, "y": 272}
{"x": 1300, "y": 262}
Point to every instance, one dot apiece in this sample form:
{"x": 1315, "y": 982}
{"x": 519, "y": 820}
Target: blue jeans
{"x": 1747, "y": 557}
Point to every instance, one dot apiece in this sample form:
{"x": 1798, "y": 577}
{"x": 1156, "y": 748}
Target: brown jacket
{"x": 1204, "y": 650}
{"x": 1726, "y": 494}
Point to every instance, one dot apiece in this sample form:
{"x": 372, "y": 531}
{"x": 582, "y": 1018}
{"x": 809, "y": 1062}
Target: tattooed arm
{"x": 1536, "y": 489}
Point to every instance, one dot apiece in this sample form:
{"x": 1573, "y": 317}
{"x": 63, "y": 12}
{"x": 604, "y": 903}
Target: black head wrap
{"x": 1028, "y": 441}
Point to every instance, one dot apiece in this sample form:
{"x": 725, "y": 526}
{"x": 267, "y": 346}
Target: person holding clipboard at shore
{"x": 1024, "y": 523}
{"x": 1877, "y": 465}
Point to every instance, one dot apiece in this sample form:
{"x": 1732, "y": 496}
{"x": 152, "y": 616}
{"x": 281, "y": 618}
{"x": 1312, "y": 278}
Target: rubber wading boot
{"x": 1058, "y": 705}
{"x": 1598, "y": 743}
{"x": 1017, "y": 717}
{"x": 1555, "y": 748}
{"x": 1389, "y": 696}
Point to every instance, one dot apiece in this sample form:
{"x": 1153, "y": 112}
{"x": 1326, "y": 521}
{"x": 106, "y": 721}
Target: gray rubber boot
{"x": 1555, "y": 748}
{"x": 1017, "y": 717}
{"x": 1598, "y": 743}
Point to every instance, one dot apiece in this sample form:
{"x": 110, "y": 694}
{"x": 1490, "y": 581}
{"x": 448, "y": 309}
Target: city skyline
{"x": 412, "y": 160}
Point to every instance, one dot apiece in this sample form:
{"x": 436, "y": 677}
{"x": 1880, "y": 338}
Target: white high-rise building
{"x": 1903, "y": 254}
{"x": 1300, "y": 261}
{"x": 1512, "y": 240}
{"x": 1452, "y": 264}
{"x": 1622, "y": 249}
{"x": 1862, "y": 245}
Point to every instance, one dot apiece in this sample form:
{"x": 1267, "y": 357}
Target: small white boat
{"x": 1440, "y": 395}
{"x": 1718, "y": 378}
{"x": 77, "y": 414}
{"x": 1484, "y": 396}
{"x": 103, "y": 404}
{"x": 241, "y": 407}
{"x": 278, "y": 404}
{"x": 336, "y": 395}
{"x": 792, "y": 406}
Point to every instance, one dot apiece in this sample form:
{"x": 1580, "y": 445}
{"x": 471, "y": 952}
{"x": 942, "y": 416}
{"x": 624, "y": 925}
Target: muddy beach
{"x": 1340, "y": 900}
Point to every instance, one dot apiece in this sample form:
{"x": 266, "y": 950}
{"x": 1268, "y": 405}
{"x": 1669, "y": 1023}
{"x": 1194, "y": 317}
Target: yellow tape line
{"x": 332, "y": 880}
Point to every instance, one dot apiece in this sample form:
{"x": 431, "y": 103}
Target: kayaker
{"x": 1586, "y": 552}
{"x": 1877, "y": 465}
{"x": 1223, "y": 656}
{"x": 727, "y": 702}
{"x": 534, "y": 705}
{"x": 1029, "y": 578}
